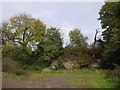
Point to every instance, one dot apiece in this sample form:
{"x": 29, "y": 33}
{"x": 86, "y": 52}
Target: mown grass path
{"x": 84, "y": 78}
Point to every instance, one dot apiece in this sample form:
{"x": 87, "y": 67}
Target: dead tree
{"x": 95, "y": 38}
{"x": 94, "y": 44}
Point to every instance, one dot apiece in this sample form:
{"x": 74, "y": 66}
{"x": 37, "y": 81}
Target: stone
{"x": 71, "y": 65}
{"x": 67, "y": 64}
{"x": 46, "y": 70}
{"x": 94, "y": 65}
{"x": 53, "y": 65}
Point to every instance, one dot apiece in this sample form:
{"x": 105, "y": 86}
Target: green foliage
{"x": 27, "y": 41}
{"x": 97, "y": 50}
{"x": 51, "y": 47}
{"x": 6, "y": 49}
{"x": 80, "y": 54}
{"x": 110, "y": 19}
{"x": 115, "y": 75}
{"x": 84, "y": 61}
{"x": 34, "y": 67}
{"x": 9, "y": 65}
{"x": 77, "y": 37}
{"x": 112, "y": 50}
{"x": 23, "y": 31}
{"x": 18, "y": 54}
{"x": 60, "y": 65}
{"x": 109, "y": 15}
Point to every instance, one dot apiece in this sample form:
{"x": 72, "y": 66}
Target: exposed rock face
{"x": 54, "y": 65}
{"x": 67, "y": 64}
{"x": 46, "y": 70}
{"x": 71, "y": 65}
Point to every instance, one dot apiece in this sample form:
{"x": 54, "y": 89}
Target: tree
{"x": 77, "y": 37}
{"x": 7, "y": 36}
{"x": 111, "y": 54}
{"x": 95, "y": 39}
{"x": 110, "y": 18}
{"x": 27, "y": 30}
{"x": 110, "y": 21}
{"x": 22, "y": 33}
{"x": 53, "y": 43}
{"x": 94, "y": 48}
{"x": 51, "y": 47}
{"x": 77, "y": 50}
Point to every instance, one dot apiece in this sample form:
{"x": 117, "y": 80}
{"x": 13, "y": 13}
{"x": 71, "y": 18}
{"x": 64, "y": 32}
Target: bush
{"x": 36, "y": 67}
{"x": 6, "y": 51}
{"x": 10, "y": 66}
{"x": 79, "y": 54}
{"x": 115, "y": 75}
{"x": 84, "y": 61}
{"x": 60, "y": 65}
{"x": 17, "y": 54}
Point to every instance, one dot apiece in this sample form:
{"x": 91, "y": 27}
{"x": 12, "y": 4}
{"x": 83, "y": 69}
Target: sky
{"x": 63, "y": 15}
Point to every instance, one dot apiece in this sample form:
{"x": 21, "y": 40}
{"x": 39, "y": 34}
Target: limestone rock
{"x": 46, "y": 70}
{"x": 53, "y": 65}
{"x": 71, "y": 65}
{"x": 67, "y": 64}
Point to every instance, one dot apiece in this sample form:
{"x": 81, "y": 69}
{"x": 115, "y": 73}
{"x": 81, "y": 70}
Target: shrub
{"x": 6, "y": 51}
{"x": 60, "y": 65}
{"x": 36, "y": 67}
{"x": 84, "y": 61}
{"x": 10, "y": 66}
{"x": 80, "y": 54}
{"x": 115, "y": 75}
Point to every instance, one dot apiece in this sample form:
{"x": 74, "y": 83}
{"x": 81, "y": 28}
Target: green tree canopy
{"x": 53, "y": 43}
{"x": 23, "y": 30}
{"x": 77, "y": 37}
{"x": 110, "y": 21}
{"x": 20, "y": 35}
{"x": 110, "y": 18}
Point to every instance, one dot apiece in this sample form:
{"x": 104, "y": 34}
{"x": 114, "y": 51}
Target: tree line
{"x": 28, "y": 43}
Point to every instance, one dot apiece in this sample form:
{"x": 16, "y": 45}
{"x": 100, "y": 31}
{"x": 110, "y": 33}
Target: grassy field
{"x": 84, "y": 78}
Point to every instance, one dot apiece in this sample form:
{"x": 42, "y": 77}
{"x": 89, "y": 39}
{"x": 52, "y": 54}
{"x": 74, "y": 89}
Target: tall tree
{"x": 24, "y": 33}
{"x": 53, "y": 43}
{"x": 51, "y": 47}
{"x": 23, "y": 30}
{"x": 110, "y": 21}
{"x": 110, "y": 18}
{"x": 27, "y": 30}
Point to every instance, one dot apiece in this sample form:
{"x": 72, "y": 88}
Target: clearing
{"x": 82, "y": 78}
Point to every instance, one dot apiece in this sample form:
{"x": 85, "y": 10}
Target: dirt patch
{"x": 54, "y": 81}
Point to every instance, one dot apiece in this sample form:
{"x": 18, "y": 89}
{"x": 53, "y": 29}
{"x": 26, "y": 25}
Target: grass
{"x": 91, "y": 79}
{"x": 85, "y": 78}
